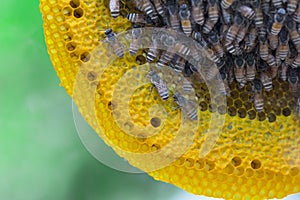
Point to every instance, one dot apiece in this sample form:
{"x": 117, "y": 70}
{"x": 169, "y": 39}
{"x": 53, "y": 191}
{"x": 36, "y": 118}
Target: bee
{"x": 182, "y": 49}
{"x": 266, "y": 80}
{"x": 222, "y": 76}
{"x": 136, "y": 34}
{"x": 277, "y": 3}
{"x": 296, "y": 62}
{"x": 233, "y": 29}
{"x": 196, "y": 51}
{"x": 229, "y": 69}
{"x": 273, "y": 41}
{"x": 159, "y": 7}
{"x": 116, "y": 45}
{"x": 138, "y": 18}
{"x": 250, "y": 67}
{"x": 283, "y": 71}
{"x": 242, "y": 32}
{"x": 213, "y": 16}
{"x": 247, "y": 12}
{"x": 214, "y": 70}
{"x": 227, "y": 16}
{"x": 149, "y": 9}
{"x": 279, "y": 18}
{"x": 283, "y": 48}
{"x": 210, "y": 53}
{"x": 189, "y": 68}
{"x": 263, "y": 48}
{"x": 184, "y": 15}
{"x": 259, "y": 20}
{"x": 173, "y": 15}
{"x": 165, "y": 58}
{"x": 187, "y": 86}
{"x": 178, "y": 63}
{"x": 258, "y": 95}
{"x": 296, "y": 15}
{"x": 291, "y": 6}
{"x": 250, "y": 39}
{"x": 153, "y": 51}
{"x": 213, "y": 11}
{"x": 265, "y": 6}
{"x": 293, "y": 80}
{"x": 114, "y": 7}
{"x": 271, "y": 61}
{"x": 188, "y": 107}
{"x": 226, "y": 3}
{"x": 239, "y": 71}
{"x": 159, "y": 84}
{"x": 231, "y": 49}
{"x": 294, "y": 35}
{"x": 208, "y": 26}
{"x": 214, "y": 40}
{"x": 198, "y": 11}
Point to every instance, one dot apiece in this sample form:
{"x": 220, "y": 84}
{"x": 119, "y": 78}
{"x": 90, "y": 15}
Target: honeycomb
{"x": 256, "y": 156}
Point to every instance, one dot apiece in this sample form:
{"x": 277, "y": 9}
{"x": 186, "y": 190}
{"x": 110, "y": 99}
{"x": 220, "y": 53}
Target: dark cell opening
{"x": 155, "y": 122}
{"x": 255, "y": 164}
{"x": 78, "y": 13}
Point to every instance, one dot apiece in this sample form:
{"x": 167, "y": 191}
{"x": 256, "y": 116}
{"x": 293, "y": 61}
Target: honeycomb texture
{"x": 255, "y": 157}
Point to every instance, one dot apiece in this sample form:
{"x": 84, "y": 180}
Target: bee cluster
{"x": 252, "y": 41}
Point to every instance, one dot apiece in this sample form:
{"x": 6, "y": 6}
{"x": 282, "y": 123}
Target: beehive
{"x": 256, "y": 156}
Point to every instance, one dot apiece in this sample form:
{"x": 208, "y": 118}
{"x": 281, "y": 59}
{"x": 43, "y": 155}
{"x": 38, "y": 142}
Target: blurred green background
{"x": 41, "y": 156}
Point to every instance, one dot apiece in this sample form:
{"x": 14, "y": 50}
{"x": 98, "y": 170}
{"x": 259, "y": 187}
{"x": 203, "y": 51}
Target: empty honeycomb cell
{"x": 71, "y": 46}
{"x": 231, "y": 111}
{"x": 140, "y": 60}
{"x": 209, "y": 165}
{"x": 255, "y": 164}
{"x": 74, "y": 56}
{"x": 236, "y": 161}
{"x": 78, "y": 13}
{"x": 242, "y": 113}
{"x": 234, "y": 94}
{"x": 286, "y": 111}
{"x": 271, "y": 117}
{"x": 68, "y": 37}
{"x": 229, "y": 101}
{"x": 189, "y": 163}
{"x": 155, "y": 122}
{"x": 238, "y": 103}
{"x": 200, "y": 164}
{"x": 267, "y": 108}
{"x": 85, "y": 57}
{"x": 261, "y": 116}
{"x": 251, "y": 114}
{"x": 67, "y": 11}
{"x": 203, "y": 105}
{"x": 155, "y": 147}
{"x": 74, "y": 3}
